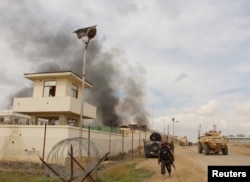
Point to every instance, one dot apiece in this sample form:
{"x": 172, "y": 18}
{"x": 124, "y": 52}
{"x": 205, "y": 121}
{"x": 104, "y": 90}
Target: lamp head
{"x": 89, "y": 32}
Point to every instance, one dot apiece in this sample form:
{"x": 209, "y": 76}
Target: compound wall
{"x": 29, "y": 142}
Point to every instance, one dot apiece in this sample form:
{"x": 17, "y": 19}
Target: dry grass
{"x": 123, "y": 172}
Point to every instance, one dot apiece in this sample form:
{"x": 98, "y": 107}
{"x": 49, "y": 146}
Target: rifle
{"x": 171, "y": 162}
{"x": 173, "y": 165}
{"x": 171, "y": 156}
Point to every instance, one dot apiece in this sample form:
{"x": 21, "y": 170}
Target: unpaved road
{"x": 192, "y": 166}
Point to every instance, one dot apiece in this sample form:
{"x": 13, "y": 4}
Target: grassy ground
{"x": 125, "y": 172}
{"x": 24, "y": 177}
{"x": 117, "y": 171}
{"x": 23, "y": 172}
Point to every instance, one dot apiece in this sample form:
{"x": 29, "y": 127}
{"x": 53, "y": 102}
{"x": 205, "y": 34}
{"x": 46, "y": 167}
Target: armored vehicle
{"x": 212, "y": 141}
{"x": 152, "y": 147}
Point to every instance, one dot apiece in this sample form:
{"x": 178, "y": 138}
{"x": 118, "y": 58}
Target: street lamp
{"x": 166, "y": 138}
{"x": 85, "y": 34}
{"x": 173, "y": 119}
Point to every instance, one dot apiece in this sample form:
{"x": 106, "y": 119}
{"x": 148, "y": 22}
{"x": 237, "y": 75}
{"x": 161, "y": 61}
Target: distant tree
{"x": 240, "y": 135}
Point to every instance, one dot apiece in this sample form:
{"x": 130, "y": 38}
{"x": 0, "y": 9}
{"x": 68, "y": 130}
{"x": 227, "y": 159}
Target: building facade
{"x": 57, "y": 98}
{"x": 9, "y": 117}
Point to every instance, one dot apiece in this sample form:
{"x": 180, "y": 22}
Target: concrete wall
{"x": 38, "y": 88}
{"x": 63, "y": 87}
{"x": 26, "y": 142}
{"x": 52, "y": 104}
{"x": 239, "y": 139}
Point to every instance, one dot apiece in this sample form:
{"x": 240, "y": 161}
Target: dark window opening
{"x": 49, "y": 89}
{"x": 74, "y": 91}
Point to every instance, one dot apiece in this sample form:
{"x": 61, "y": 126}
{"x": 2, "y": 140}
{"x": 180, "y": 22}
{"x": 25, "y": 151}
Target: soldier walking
{"x": 166, "y": 159}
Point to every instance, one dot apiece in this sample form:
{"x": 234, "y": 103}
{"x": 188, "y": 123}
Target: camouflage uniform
{"x": 165, "y": 163}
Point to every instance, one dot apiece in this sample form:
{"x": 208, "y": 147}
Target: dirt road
{"x": 192, "y": 166}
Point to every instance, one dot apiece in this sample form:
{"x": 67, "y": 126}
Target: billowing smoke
{"x": 117, "y": 87}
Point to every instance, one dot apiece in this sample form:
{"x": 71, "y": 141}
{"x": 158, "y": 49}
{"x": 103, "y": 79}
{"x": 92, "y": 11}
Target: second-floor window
{"x": 74, "y": 91}
{"x": 49, "y": 89}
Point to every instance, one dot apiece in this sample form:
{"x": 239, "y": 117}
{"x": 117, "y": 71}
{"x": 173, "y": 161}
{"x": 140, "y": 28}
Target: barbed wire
{"x": 83, "y": 150}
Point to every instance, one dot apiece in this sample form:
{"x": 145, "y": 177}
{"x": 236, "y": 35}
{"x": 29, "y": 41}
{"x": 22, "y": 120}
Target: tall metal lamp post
{"x": 173, "y": 119}
{"x": 86, "y": 34}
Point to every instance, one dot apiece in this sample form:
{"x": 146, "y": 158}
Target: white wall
{"x": 52, "y": 104}
{"x": 26, "y": 142}
{"x": 38, "y": 88}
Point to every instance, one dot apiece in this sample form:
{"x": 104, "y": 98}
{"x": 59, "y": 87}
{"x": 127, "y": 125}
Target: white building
{"x": 56, "y": 98}
{"x": 10, "y": 117}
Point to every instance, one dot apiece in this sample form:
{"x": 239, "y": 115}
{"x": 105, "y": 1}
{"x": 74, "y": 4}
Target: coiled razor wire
{"x": 82, "y": 150}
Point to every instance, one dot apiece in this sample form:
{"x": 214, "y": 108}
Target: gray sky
{"x": 193, "y": 55}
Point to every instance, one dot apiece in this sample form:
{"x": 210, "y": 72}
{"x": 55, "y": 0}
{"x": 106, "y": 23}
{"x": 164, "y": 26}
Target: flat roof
{"x": 59, "y": 74}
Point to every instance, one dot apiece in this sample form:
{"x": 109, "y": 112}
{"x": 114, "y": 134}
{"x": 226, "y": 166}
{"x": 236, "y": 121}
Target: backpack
{"x": 164, "y": 154}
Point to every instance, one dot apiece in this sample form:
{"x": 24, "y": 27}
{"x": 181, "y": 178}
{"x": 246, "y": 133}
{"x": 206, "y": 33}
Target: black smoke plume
{"x": 117, "y": 87}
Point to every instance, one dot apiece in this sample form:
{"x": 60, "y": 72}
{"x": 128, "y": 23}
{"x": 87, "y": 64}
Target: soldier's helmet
{"x": 164, "y": 144}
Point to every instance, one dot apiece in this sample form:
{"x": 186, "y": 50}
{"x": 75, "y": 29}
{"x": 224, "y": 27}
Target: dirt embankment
{"x": 192, "y": 166}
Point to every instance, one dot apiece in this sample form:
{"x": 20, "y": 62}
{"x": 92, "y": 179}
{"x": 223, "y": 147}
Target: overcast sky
{"x": 193, "y": 54}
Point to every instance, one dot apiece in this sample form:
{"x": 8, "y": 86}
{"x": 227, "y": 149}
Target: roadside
{"x": 192, "y": 166}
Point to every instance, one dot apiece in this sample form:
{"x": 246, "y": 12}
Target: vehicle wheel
{"x": 200, "y": 149}
{"x": 225, "y": 151}
{"x": 206, "y": 149}
{"x": 155, "y": 147}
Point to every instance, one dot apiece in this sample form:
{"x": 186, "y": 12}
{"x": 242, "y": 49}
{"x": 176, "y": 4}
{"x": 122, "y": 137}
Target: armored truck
{"x": 152, "y": 147}
{"x": 212, "y": 142}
